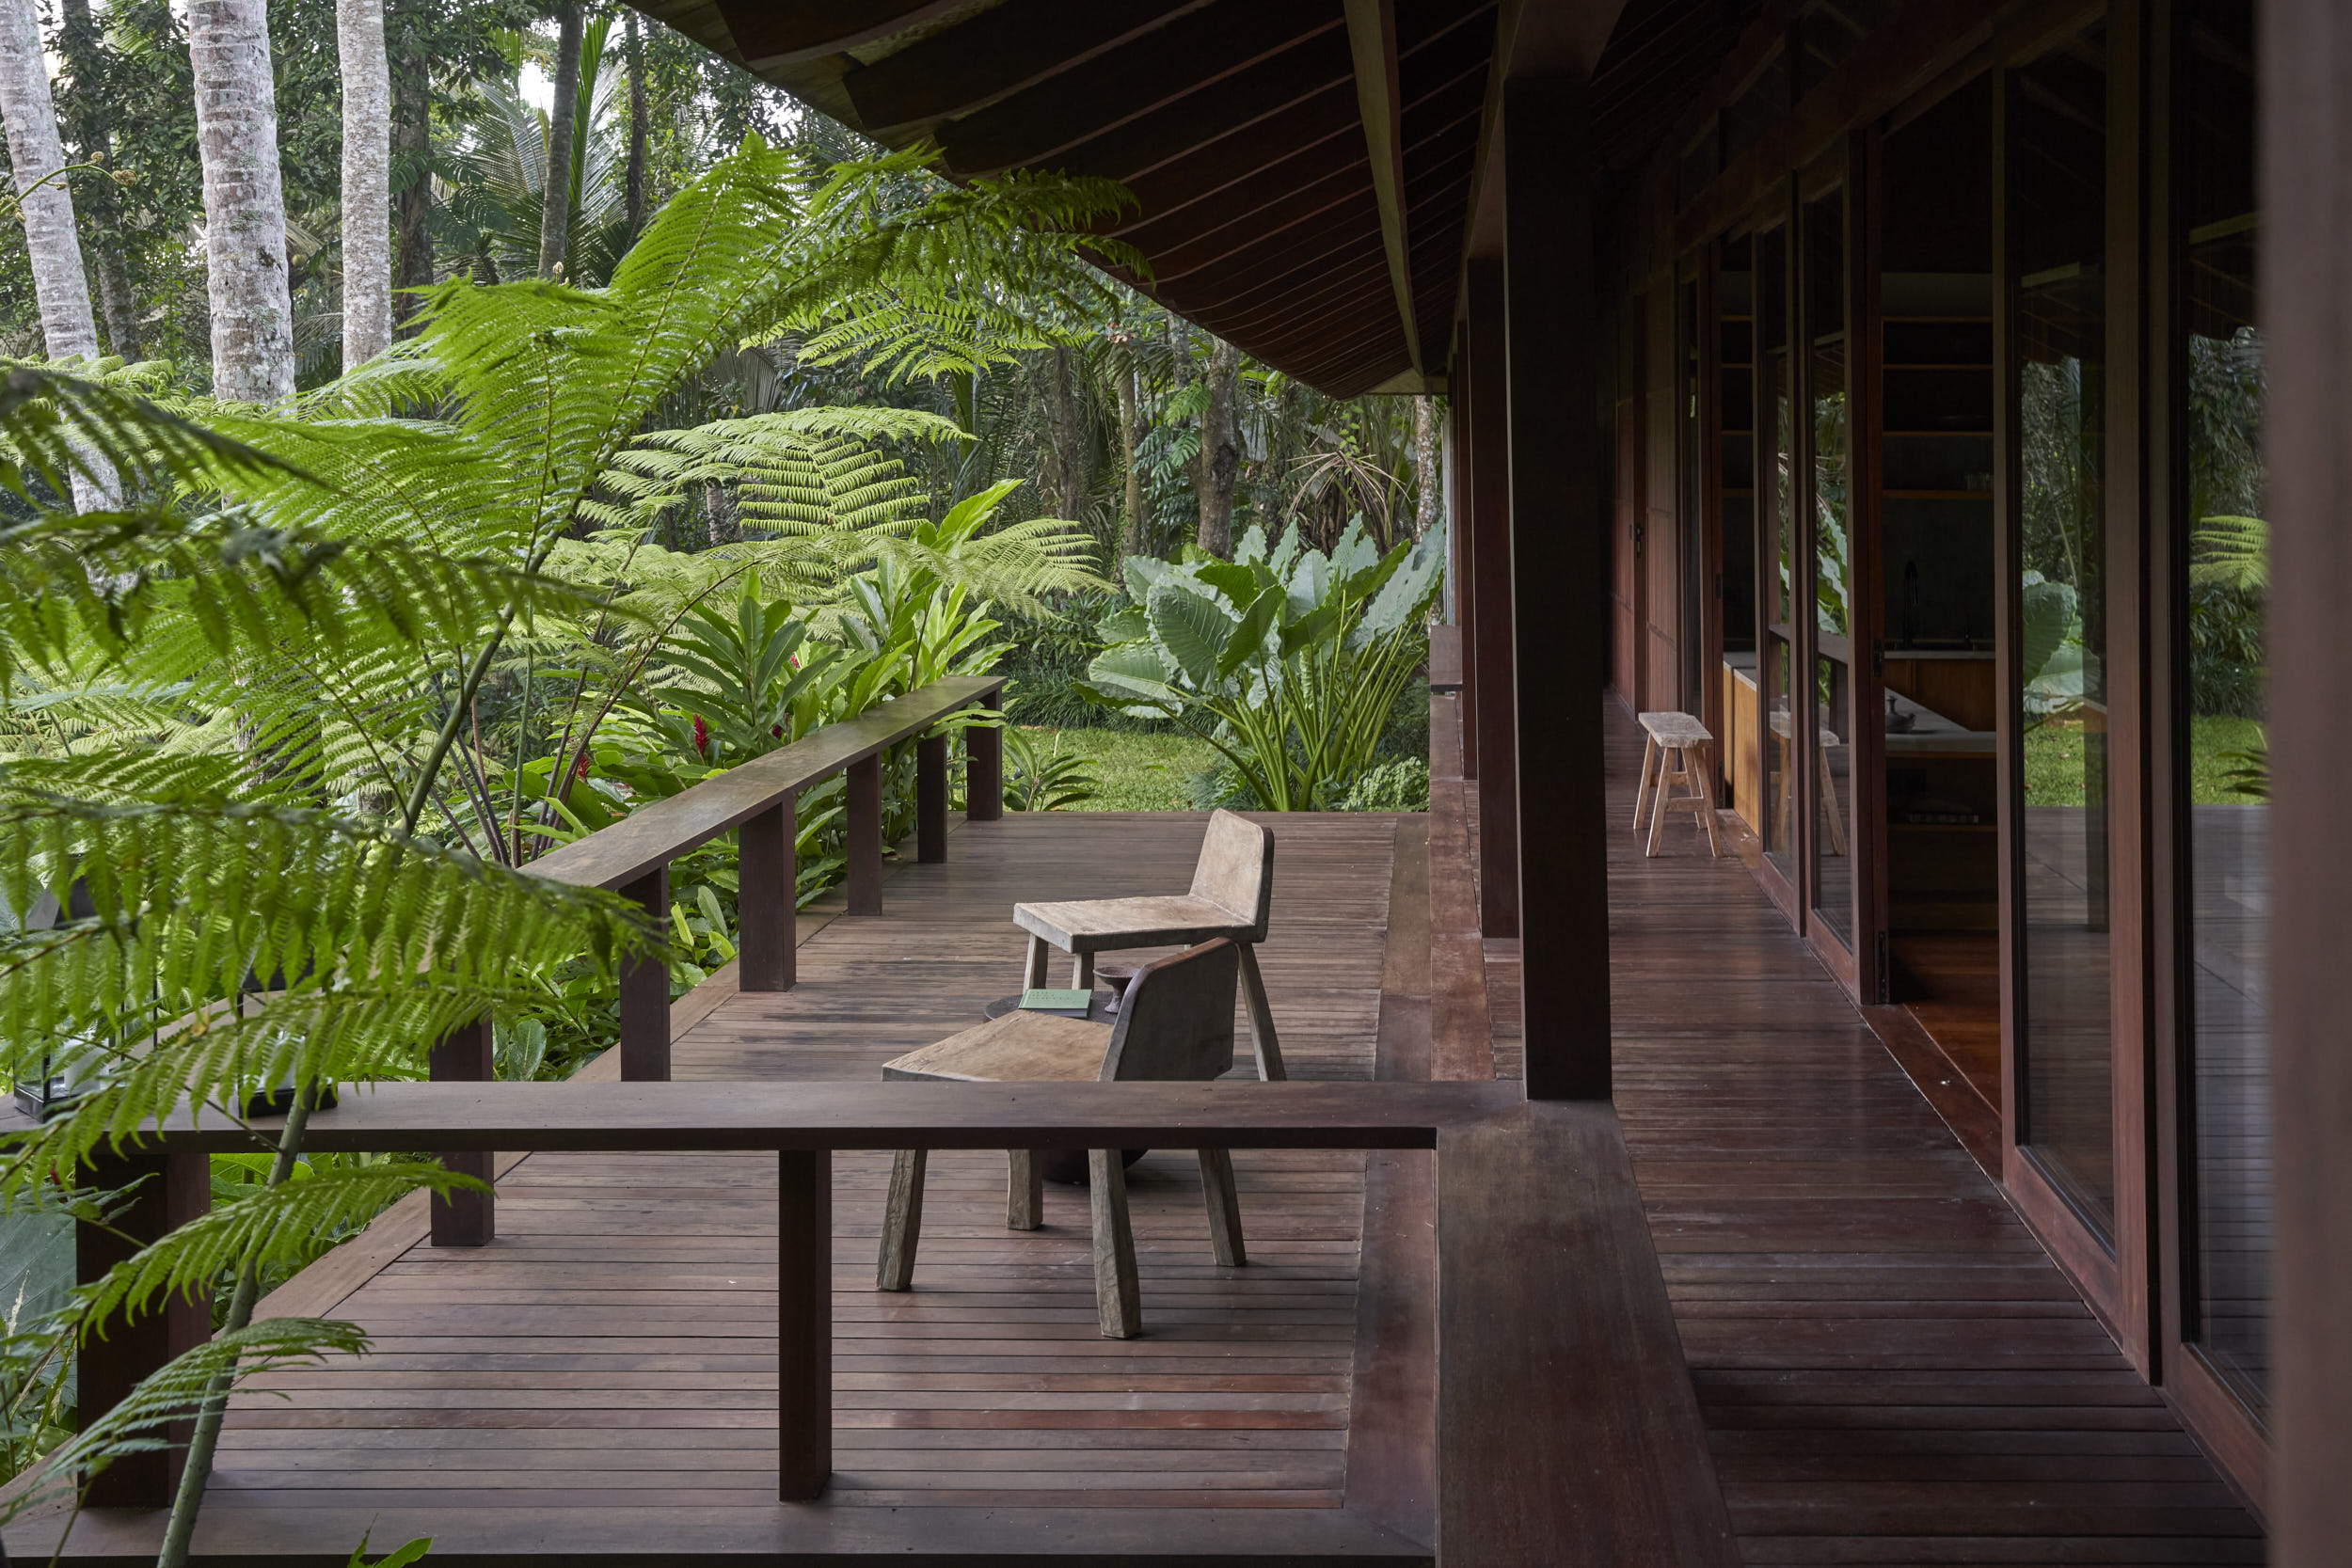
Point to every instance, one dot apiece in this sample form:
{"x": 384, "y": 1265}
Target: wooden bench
{"x": 1676, "y": 751}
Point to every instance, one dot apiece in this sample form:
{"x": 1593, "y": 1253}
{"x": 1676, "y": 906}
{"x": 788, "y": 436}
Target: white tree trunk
{"x": 1427, "y": 482}
{"x": 367, "y": 179}
{"x": 60, "y": 285}
{"x": 245, "y": 203}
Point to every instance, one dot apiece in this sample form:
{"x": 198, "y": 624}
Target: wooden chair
{"x": 1176, "y": 1025}
{"x": 1232, "y": 897}
{"x": 1677, "y": 745}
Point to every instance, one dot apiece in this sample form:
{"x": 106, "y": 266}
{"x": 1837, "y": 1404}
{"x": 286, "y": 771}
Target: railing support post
{"x": 984, "y": 766}
{"x": 803, "y": 1324}
{"x": 646, "y": 993}
{"x": 931, "y": 800}
{"x": 465, "y": 1219}
{"x": 176, "y": 1189}
{"x": 864, "y": 778}
{"x": 767, "y": 900}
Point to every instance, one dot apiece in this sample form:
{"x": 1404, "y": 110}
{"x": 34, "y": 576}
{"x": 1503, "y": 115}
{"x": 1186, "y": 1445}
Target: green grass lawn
{"x": 2055, "y": 760}
{"x": 1134, "y": 771}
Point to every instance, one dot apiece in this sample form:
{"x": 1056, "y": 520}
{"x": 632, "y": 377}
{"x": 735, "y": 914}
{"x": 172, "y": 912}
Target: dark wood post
{"x": 803, "y": 1324}
{"x": 1463, "y": 565}
{"x": 174, "y": 1190}
{"x": 931, "y": 800}
{"x": 1490, "y": 506}
{"x": 864, "y": 778}
{"x": 2306, "y": 109}
{"x": 984, "y": 766}
{"x": 767, "y": 899}
{"x": 645, "y": 991}
{"x": 466, "y": 1219}
{"x": 1558, "y": 562}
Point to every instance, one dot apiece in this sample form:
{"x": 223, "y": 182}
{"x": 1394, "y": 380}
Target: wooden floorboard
{"x": 1891, "y": 1370}
{"x": 611, "y": 1355}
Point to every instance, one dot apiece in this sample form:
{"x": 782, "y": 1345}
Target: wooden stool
{"x": 1822, "y": 743}
{"x": 1676, "y": 751}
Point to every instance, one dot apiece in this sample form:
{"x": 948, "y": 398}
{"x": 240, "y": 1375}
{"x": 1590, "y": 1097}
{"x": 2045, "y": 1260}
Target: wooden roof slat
{"x": 772, "y": 35}
{"x": 1372, "y": 39}
{"x": 1005, "y": 50}
{"x": 1039, "y": 127}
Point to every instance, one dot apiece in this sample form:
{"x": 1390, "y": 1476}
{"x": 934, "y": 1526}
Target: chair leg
{"x": 1025, "y": 1190}
{"x": 1224, "y": 1204}
{"x": 1038, "y": 952}
{"x": 1117, "y": 1296}
{"x": 902, "y": 1222}
{"x": 1081, "y": 972}
{"x": 1260, "y": 1018}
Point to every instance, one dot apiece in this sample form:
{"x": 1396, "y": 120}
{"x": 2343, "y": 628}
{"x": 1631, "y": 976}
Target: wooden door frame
{"x": 1775, "y": 214}
{"x": 1705, "y": 511}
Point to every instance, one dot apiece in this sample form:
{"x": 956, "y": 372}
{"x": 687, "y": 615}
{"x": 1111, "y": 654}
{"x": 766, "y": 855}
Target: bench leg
{"x": 1025, "y": 1190}
{"x": 1641, "y": 779}
{"x": 1117, "y": 1296}
{"x": 1081, "y": 972}
{"x": 1224, "y": 1204}
{"x": 902, "y": 1222}
{"x": 1260, "y": 1018}
{"x": 1038, "y": 952}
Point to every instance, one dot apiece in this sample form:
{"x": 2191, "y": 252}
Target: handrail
{"x": 757, "y": 800}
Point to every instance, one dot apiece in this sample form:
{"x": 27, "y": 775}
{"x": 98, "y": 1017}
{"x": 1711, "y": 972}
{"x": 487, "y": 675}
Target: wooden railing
{"x": 755, "y": 800}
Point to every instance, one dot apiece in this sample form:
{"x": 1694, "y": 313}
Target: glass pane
{"x": 1830, "y": 517}
{"x": 2057, "y": 218}
{"x": 2228, "y": 744}
{"x": 1735, "y": 295}
{"x": 1777, "y": 474}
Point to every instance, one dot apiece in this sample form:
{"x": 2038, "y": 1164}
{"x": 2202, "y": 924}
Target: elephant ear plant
{"x": 1288, "y": 661}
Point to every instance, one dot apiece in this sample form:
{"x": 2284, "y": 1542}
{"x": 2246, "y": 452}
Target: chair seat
{"x": 1103, "y": 925}
{"x": 1016, "y": 1048}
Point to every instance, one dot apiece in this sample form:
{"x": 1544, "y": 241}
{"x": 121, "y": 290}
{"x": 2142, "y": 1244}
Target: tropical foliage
{"x": 1288, "y": 660}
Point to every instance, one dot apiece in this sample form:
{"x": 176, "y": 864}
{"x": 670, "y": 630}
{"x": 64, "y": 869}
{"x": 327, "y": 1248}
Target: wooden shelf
{"x": 1937, "y": 495}
{"x": 1936, "y": 365}
{"x": 1936, "y": 434}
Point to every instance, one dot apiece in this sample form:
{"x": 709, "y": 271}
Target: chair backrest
{"x": 1236, "y": 870}
{"x": 1176, "y": 1021}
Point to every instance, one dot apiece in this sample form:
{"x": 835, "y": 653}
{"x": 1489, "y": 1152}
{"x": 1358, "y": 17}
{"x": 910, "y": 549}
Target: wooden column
{"x": 931, "y": 800}
{"x": 645, "y": 991}
{"x": 2306, "y": 89}
{"x": 803, "y": 1324}
{"x": 1490, "y": 577}
{"x": 1458, "y": 525}
{"x": 174, "y": 1190}
{"x": 767, "y": 900}
{"x": 466, "y": 1219}
{"x": 984, "y": 766}
{"x": 865, "y": 847}
{"x": 1558, "y": 562}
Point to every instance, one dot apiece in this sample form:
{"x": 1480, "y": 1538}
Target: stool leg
{"x": 1117, "y": 1295}
{"x": 1081, "y": 972}
{"x": 1829, "y": 799}
{"x": 1025, "y": 1190}
{"x": 1224, "y": 1204}
{"x": 902, "y": 1222}
{"x": 1640, "y": 781}
{"x": 1706, "y": 805}
{"x": 1657, "y": 802}
{"x": 1039, "y": 952}
{"x": 1260, "y": 1018}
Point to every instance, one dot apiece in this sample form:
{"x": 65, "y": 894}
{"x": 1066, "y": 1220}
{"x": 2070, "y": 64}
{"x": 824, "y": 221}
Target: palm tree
{"x": 555, "y": 208}
{"x": 245, "y": 203}
{"x": 47, "y": 208}
{"x": 367, "y": 179}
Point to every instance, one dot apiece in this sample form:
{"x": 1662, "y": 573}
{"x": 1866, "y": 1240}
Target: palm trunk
{"x": 367, "y": 179}
{"x": 412, "y": 145}
{"x": 34, "y": 154}
{"x": 555, "y": 209}
{"x": 1219, "y": 466}
{"x": 1130, "y": 436}
{"x": 635, "y": 185}
{"x": 244, "y": 205}
{"x": 1428, "y": 480}
{"x": 1065, "y": 468}
{"x": 101, "y": 204}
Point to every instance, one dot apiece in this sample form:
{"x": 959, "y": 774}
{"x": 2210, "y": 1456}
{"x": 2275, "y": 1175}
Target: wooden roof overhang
{"x": 1304, "y": 170}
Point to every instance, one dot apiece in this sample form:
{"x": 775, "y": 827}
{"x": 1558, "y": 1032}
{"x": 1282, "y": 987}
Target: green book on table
{"x": 1068, "y": 1004}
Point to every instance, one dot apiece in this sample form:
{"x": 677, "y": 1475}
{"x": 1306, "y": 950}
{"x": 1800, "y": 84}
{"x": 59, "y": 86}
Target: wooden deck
{"x": 601, "y": 1381}
{"x": 1891, "y": 1370}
